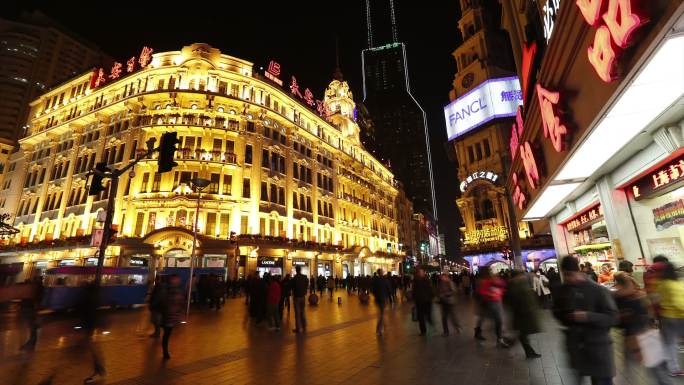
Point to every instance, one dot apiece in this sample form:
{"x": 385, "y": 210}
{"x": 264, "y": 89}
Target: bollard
{"x": 339, "y": 300}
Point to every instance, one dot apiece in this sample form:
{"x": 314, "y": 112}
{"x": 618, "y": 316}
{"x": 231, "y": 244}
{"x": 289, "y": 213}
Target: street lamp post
{"x": 198, "y": 184}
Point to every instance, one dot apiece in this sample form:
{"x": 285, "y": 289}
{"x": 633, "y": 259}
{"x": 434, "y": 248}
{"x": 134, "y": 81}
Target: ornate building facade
{"x": 482, "y": 150}
{"x": 290, "y": 185}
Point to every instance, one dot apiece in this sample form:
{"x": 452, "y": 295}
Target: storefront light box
{"x": 495, "y": 98}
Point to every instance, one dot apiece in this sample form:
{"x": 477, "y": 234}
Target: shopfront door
{"x": 271, "y": 265}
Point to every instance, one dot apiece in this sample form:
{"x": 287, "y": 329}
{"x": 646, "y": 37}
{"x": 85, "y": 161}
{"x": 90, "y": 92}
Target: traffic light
{"x": 167, "y": 150}
{"x": 96, "y": 185}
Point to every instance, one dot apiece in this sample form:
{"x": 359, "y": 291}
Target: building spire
{"x": 395, "y": 29}
{"x": 369, "y": 26}
{"x": 338, "y": 72}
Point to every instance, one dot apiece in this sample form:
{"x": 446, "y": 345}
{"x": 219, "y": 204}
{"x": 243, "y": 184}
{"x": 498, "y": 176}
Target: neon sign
{"x": 519, "y": 197}
{"x": 530, "y": 165}
{"x": 486, "y": 175}
{"x": 529, "y": 54}
{"x": 585, "y": 217}
{"x": 550, "y": 11}
{"x": 661, "y": 178}
{"x": 273, "y": 72}
{"x": 490, "y": 234}
{"x": 553, "y": 129}
{"x": 619, "y": 24}
{"x": 99, "y": 77}
{"x": 516, "y": 133}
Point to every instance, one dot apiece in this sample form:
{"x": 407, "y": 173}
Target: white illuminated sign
{"x": 549, "y": 12}
{"x": 495, "y": 98}
{"x": 487, "y": 175}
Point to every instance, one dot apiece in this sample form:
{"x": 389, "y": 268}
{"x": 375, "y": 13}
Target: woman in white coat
{"x": 540, "y": 285}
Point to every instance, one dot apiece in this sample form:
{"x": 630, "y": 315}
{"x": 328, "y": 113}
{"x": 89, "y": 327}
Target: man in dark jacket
{"x": 381, "y": 292}
{"x": 422, "y": 295}
{"x": 588, "y": 311}
{"x": 299, "y": 284}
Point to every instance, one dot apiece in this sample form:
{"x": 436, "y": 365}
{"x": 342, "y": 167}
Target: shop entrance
{"x": 324, "y": 269}
{"x": 303, "y": 264}
{"x": 177, "y": 258}
{"x": 271, "y": 265}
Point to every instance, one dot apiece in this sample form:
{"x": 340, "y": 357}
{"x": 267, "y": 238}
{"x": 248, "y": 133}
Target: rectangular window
{"x": 244, "y": 224}
{"x": 281, "y": 196}
{"x": 274, "y": 194}
{"x": 295, "y": 204}
{"x": 264, "y": 158}
{"x": 264, "y": 192}
{"x": 157, "y": 182}
{"x": 211, "y": 224}
{"x": 145, "y": 180}
{"x": 478, "y": 151}
{"x": 215, "y": 181}
{"x": 248, "y": 154}
{"x": 227, "y": 184}
{"x": 246, "y": 193}
{"x": 140, "y": 218}
{"x": 487, "y": 150}
{"x": 471, "y": 157}
{"x": 262, "y": 226}
{"x": 225, "y": 224}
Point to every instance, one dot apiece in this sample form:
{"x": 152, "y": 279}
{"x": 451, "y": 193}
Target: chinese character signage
{"x": 671, "y": 214}
{"x": 495, "y": 98}
{"x": 589, "y": 216}
{"x": 273, "y": 72}
{"x": 480, "y": 175}
{"x": 489, "y": 234}
{"x": 662, "y": 178}
{"x": 614, "y": 27}
{"x": 101, "y": 77}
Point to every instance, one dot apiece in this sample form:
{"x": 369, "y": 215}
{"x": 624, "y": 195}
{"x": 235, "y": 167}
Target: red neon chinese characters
{"x": 601, "y": 54}
{"x": 130, "y": 65}
{"x": 518, "y": 196}
{"x": 591, "y": 10}
{"x": 115, "y": 73}
{"x": 622, "y": 24}
{"x": 100, "y": 79}
{"x": 274, "y": 68}
{"x": 530, "y": 164}
{"x": 320, "y": 107}
{"x": 308, "y": 97}
{"x": 529, "y": 53}
{"x": 294, "y": 87}
{"x": 516, "y": 133}
{"x": 145, "y": 56}
{"x": 553, "y": 129}
{"x": 661, "y": 179}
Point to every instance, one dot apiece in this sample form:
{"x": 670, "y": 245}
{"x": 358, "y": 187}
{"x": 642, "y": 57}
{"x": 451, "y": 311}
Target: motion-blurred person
{"x": 446, "y": 292}
{"x": 524, "y": 310}
{"x": 670, "y": 297}
{"x": 172, "y": 311}
{"x": 422, "y": 296}
{"x": 89, "y": 322}
{"x": 634, "y": 321}
{"x": 272, "y": 302}
{"x": 299, "y": 287}
{"x": 490, "y": 291}
{"x": 540, "y": 285}
{"x": 589, "y": 271}
{"x": 286, "y": 285}
{"x": 155, "y": 305}
{"x": 587, "y": 311}
{"x": 331, "y": 286}
{"x": 606, "y": 275}
{"x": 381, "y": 292}
{"x": 29, "y": 308}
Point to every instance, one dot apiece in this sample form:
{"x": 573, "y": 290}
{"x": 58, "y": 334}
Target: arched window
{"x": 488, "y": 209}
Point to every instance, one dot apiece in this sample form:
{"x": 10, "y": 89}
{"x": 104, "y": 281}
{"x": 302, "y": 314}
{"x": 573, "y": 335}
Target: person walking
{"x": 29, "y": 308}
{"x": 422, "y": 296}
{"x": 300, "y": 285}
{"x": 331, "y": 286}
{"x": 670, "y": 300}
{"x": 587, "y": 311}
{"x": 381, "y": 292}
{"x": 490, "y": 291}
{"x": 540, "y": 285}
{"x": 524, "y": 310}
{"x": 287, "y": 293}
{"x": 634, "y": 322}
{"x": 90, "y": 320}
{"x": 155, "y": 305}
{"x": 272, "y": 302}
{"x": 172, "y": 311}
{"x": 446, "y": 292}
{"x": 320, "y": 283}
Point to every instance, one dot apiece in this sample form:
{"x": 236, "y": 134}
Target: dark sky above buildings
{"x": 300, "y": 35}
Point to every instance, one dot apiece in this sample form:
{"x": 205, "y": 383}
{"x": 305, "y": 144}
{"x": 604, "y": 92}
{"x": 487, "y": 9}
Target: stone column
{"x": 618, "y": 220}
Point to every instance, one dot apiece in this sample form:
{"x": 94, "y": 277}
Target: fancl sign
{"x": 495, "y": 98}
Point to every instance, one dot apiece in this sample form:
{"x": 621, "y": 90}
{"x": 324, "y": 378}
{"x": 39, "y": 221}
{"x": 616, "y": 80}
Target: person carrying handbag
{"x": 634, "y": 322}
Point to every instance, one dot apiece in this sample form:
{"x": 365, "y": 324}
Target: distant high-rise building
{"x": 36, "y": 54}
{"x": 399, "y": 135}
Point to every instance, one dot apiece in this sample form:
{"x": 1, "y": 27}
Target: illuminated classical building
{"x": 485, "y": 98}
{"x": 290, "y": 184}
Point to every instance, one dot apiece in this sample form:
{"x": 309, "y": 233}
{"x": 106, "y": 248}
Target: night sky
{"x": 300, "y": 35}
